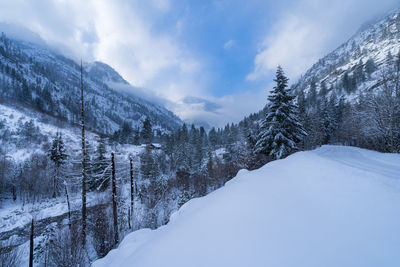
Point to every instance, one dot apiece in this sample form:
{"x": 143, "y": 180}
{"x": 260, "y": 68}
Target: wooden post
{"x": 114, "y": 199}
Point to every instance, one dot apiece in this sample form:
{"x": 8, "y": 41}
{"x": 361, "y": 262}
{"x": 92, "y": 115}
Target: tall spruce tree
{"x": 58, "y": 155}
{"x": 101, "y": 172}
{"x": 147, "y": 132}
{"x": 280, "y": 130}
{"x": 370, "y": 66}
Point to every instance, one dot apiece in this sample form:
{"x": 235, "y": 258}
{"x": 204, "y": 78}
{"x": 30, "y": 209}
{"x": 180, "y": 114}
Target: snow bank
{"x": 334, "y": 206}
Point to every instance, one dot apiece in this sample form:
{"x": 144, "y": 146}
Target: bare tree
{"x": 102, "y": 230}
{"x": 382, "y": 111}
{"x": 131, "y": 176}
{"x": 68, "y": 203}
{"x": 65, "y": 248}
{"x": 31, "y": 246}
{"x": 11, "y": 258}
{"x": 83, "y": 163}
{"x": 114, "y": 199}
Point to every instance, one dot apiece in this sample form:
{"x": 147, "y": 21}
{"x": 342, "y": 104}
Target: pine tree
{"x": 347, "y": 83}
{"x": 101, "y": 171}
{"x": 58, "y": 155}
{"x": 359, "y": 76}
{"x": 149, "y": 170}
{"x": 57, "y": 152}
{"x": 212, "y": 137}
{"x": 203, "y": 137}
{"x": 329, "y": 123}
{"x": 324, "y": 90}
{"x": 280, "y": 130}
{"x": 182, "y": 151}
{"x": 147, "y": 133}
{"x": 389, "y": 58}
{"x": 136, "y": 137}
{"x": 370, "y": 66}
{"x": 148, "y": 166}
{"x": 312, "y": 94}
{"x": 125, "y": 135}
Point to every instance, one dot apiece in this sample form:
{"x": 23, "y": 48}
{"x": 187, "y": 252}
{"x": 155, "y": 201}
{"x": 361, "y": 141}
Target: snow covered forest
{"x": 82, "y": 164}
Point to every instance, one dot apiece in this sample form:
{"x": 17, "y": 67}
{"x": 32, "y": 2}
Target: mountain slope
{"x": 355, "y": 66}
{"x": 334, "y": 206}
{"x": 34, "y": 76}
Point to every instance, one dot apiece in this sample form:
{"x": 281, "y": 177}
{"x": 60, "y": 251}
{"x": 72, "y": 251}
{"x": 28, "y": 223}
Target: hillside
{"x": 334, "y": 206}
{"x": 355, "y": 66}
{"x": 36, "y": 77}
{"x": 309, "y": 180}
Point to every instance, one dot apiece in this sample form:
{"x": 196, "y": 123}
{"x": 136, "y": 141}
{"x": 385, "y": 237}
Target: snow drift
{"x": 334, "y": 206}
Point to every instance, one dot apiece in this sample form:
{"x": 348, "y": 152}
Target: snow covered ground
{"x": 17, "y": 214}
{"x": 334, "y": 206}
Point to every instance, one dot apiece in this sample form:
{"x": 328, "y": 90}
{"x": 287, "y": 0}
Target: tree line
{"x": 142, "y": 191}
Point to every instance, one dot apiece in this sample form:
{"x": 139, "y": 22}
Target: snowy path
{"x": 334, "y": 206}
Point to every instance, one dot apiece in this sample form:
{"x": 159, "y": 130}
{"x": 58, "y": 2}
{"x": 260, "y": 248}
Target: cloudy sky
{"x": 205, "y": 60}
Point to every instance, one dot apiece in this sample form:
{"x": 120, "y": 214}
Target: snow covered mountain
{"x": 355, "y": 66}
{"x": 334, "y": 206}
{"x": 36, "y": 77}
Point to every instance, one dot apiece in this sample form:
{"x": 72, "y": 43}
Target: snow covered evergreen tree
{"x": 147, "y": 132}
{"x": 329, "y": 123}
{"x": 58, "y": 155}
{"x": 58, "y": 152}
{"x": 280, "y": 130}
{"x": 101, "y": 169}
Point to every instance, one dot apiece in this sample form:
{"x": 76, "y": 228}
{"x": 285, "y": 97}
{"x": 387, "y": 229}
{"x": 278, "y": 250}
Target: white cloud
{"x": 309, "y": 30}
{"x": 125, "y": 35}
{"x": 228, "y": 45}
{"x": 116, "y": 32}
{"x": 163, "y": 5}
{"x": 227, "y": 109}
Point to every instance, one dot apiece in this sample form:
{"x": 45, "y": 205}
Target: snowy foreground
{"x": 334, "y": 206}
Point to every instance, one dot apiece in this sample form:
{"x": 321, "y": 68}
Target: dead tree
{"x": 114, "y": 199}
{"x": 31, "y": 247}
{"x": 69, "y": 204}
{"x": 131, "y": 208}
{"x": 83, "y": 163}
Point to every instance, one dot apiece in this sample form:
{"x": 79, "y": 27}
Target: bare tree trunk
{"x": 31, "y": 247}
{"x": 129, "y": 219}
{"x": 69, "y": 205}
{"x": 14, "y": 193}
{"x": 114, "y": 199}
{"x": 83, "y": 164}
{"x": 54, "y": 186}
{"x": 131, "y": 208}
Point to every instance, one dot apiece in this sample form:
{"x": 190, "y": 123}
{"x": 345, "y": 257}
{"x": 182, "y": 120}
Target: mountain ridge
{"x": 34, "y": 75}
{"x": 373, "y": 41}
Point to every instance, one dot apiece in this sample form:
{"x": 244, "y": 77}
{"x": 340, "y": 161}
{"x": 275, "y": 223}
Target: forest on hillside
{"x": 142, "y": 190}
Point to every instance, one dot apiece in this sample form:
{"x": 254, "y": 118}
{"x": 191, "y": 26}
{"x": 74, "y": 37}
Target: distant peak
{"x": 104, "y": 72}
{"x": 20, "y": 33}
